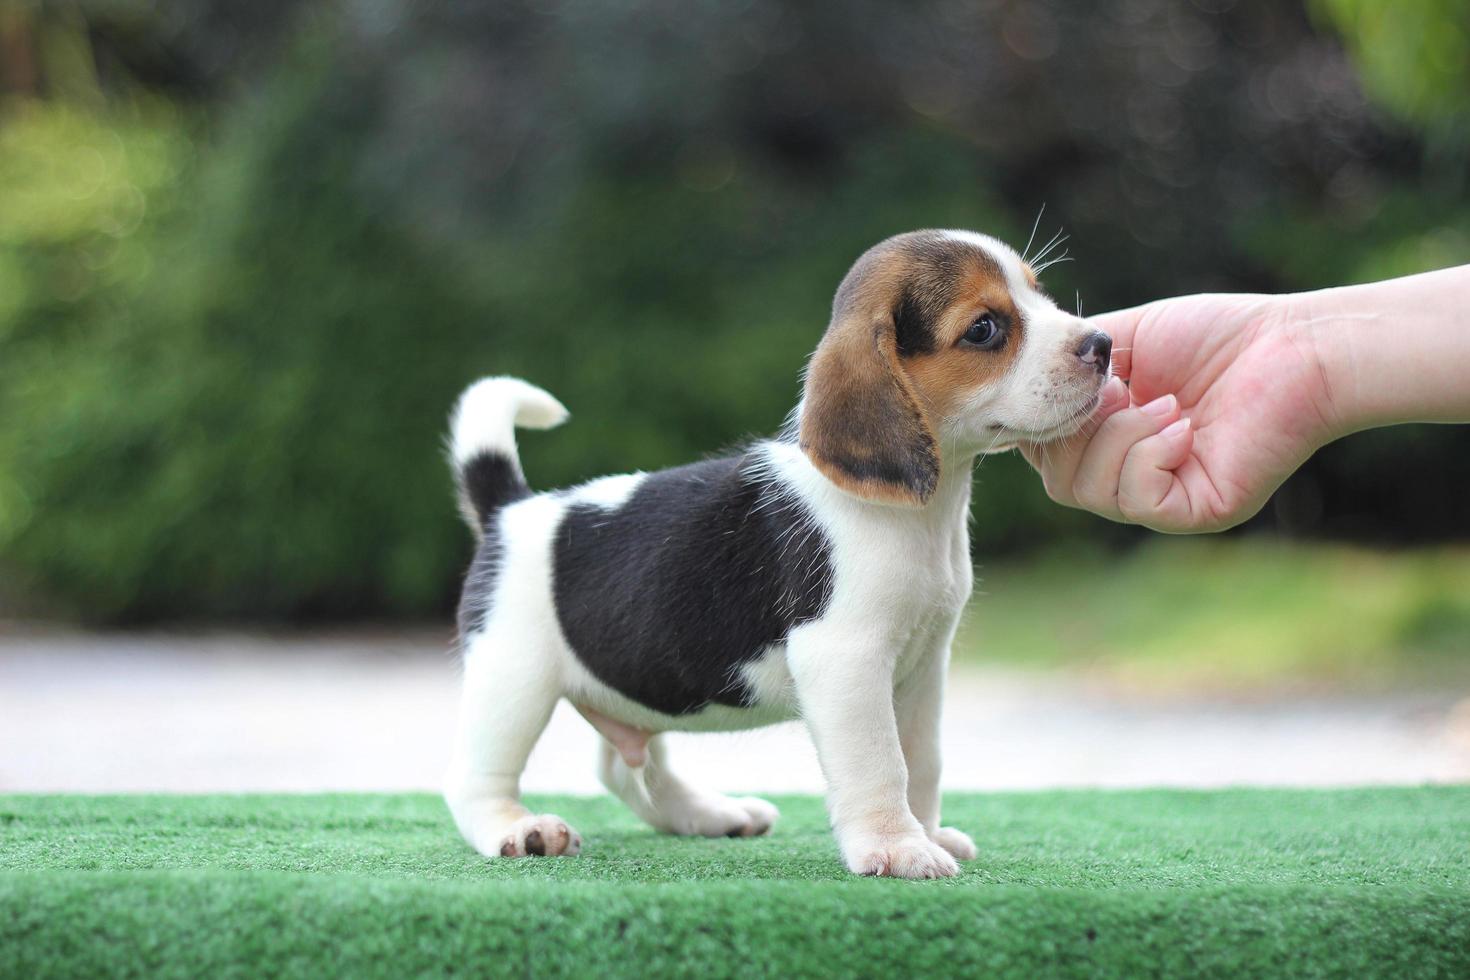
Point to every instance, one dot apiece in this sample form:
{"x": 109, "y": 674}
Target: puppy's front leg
{"x": 919, "y": 703}
{"x": 845, "y": 687}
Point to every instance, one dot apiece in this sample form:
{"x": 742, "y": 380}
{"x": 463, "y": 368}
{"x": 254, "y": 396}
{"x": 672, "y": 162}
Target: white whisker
{"x": 1064, "y": 257}
{"x": 1034, "y": 225}
{"x": 1055, "y": 240}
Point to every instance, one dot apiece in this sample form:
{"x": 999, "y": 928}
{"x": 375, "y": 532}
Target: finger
{"x": 1120, "y": 325}
{"x": 1149, "y": 491}
{"x": 1057, "y": 461}
{"x": 1096, "y": 480}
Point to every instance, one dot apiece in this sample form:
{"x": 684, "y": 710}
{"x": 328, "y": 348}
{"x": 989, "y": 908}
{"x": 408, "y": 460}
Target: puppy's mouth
{"x": 1076, "y": 420}
{"x": 1055, "y": 432}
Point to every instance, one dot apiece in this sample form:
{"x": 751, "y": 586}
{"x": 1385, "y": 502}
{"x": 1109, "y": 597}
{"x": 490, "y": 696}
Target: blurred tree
{"x": 1413, "y": 54}
{"x": 250, "y": 253}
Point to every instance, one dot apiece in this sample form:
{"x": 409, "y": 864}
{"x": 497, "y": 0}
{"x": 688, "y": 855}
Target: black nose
{"x": 1096, "y": 349}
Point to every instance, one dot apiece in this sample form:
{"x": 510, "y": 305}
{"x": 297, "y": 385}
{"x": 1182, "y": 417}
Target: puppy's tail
{"x": 482, "y": 443}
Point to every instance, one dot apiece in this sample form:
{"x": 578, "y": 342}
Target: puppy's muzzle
{"x": 1096, "y": 351}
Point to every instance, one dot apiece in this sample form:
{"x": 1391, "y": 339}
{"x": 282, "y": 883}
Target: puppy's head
{"x": 942, "y": 344}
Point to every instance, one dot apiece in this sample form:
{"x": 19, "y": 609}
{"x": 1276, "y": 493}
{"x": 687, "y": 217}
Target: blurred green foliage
{"x": 1414, "y": 54}
{"x": 1216, "y": 614}
{"x": 82, "y": 199}
{"x": 248, "y": 257}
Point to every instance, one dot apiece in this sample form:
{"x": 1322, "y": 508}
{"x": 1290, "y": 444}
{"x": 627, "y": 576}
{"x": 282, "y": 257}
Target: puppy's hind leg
{"x": 667, "y": 803}
{"x": 510, "y": 689}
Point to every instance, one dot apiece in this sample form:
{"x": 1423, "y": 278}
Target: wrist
{"x": 1329, "y": 358}
{"x": 1329, "y": 343}
{"x": 1388, "y": 352}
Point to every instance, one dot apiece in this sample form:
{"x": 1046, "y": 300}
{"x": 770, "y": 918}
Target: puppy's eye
{"x": 984, "y": 333}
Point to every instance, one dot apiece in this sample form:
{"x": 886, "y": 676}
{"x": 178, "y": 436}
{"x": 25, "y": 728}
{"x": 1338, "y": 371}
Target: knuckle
{"x": 1091, "y": 494}
{"x": 1137, "y": 503}
{"x": 1129, "y": 507}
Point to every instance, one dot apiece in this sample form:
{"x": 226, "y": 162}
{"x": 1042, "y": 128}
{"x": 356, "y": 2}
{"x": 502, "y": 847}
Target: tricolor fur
{"x": 818, "y": 574}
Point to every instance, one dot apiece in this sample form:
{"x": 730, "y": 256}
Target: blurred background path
{"x": 374, "y": 711}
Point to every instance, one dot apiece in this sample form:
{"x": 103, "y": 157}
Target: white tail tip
{"x": 489, "y": 410}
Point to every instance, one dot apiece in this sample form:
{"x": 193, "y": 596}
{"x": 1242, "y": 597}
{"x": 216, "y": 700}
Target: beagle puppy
{"x": 819, "y": 574}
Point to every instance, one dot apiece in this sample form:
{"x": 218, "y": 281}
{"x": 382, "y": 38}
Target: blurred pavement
{"x": 375, "y": 711}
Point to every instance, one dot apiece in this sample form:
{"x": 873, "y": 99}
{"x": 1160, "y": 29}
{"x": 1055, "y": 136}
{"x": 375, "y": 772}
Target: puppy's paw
{"x": 956, "y": 842}
{"x": 720, "y": 816}
{"x": 908, "y": 856}
{"x": 540, "y": 835}
{"x": 763, "y": 815}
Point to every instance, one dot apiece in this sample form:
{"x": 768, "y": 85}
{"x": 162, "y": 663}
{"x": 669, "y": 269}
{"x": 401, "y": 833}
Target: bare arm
{"x": 1394, "y": 351}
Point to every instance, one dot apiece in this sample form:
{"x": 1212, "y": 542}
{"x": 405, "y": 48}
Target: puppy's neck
{"x": 951, "y": 500}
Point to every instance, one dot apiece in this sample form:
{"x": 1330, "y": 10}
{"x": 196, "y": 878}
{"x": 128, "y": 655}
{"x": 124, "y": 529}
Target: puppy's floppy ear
{"x": 862, "y": 423}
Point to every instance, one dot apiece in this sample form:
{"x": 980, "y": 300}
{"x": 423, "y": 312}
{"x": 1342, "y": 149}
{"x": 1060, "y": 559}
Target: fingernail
{"x": 1114, "y": 392}
{"x": 1160, "y": 407}
{"x": 1176, "y": 429}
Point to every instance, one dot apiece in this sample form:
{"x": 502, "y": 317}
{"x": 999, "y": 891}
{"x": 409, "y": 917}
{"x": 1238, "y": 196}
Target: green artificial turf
{"x": 1347, "y": 883}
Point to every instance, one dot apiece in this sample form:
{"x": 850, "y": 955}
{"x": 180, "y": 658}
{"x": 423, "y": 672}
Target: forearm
{"x": 1394, "y": 351}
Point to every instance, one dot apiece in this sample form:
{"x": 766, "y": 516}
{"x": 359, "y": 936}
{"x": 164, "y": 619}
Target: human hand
{"x": 1227, "y": 396}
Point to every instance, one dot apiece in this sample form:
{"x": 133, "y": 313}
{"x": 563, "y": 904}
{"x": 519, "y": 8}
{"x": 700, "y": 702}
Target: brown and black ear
{"x": 862, "y": 423}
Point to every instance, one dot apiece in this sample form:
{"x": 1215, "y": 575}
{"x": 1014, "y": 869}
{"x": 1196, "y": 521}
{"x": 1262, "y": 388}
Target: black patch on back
{"x": 490, "y": 481}
{"x": 702, "y": 568}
